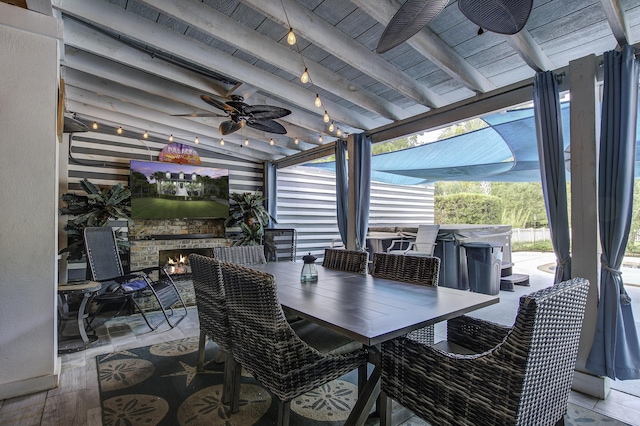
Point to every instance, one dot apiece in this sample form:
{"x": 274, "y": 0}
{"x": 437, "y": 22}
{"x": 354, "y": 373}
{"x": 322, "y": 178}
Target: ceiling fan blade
{"x": 217, "y": 104}
{"x": 239, "y": 106}
{"x": 229, "y": 126}
{"x": 408, "y": 20}
{"x": 263, "y": 112}
{"x": 498, "y": 16}
{"x": 268, "y": 126}
{"x": 208, "y": 114}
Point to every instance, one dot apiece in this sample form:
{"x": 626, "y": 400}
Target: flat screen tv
{"x": 178, "y": 191}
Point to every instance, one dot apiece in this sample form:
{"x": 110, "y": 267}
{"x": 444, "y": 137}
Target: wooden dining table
{"x": 368, "y": 310}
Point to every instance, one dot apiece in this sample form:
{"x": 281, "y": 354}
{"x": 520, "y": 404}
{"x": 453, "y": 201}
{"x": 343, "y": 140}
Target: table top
{"x": 79, "y": 286}
{"x": 367, "y": 309}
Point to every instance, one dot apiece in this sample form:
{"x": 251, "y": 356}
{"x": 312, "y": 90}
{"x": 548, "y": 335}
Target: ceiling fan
{"x": 498, "y": 16}
{"x": 260, "y": 117}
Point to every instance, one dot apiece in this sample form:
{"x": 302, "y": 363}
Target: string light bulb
{"x": 304, "y": 78}
{"x": 246, "y": 141}
{"x": 170, "y": 138}
{"x": 295, "y": 141}
{"x": 94, "y": 126}
{"x": 338, "y": 131}
{"x": 291, "y": 37}
{"x": 119, "y": 131}
{"x": 318, "y": 102}
{"x": 271, "y": 142}
{"x": 196, "y": 141}
{"x": 221, "y": 141}
{"x": 145, "y": 135}
{"x": 331, "y": 127}
{"x": 326, "y": 117}
{"x": 320, "y": 138}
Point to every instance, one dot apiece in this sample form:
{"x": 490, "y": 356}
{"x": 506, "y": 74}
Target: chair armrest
{"x": 393, "y": 243}
{"x": 475, "y": 334}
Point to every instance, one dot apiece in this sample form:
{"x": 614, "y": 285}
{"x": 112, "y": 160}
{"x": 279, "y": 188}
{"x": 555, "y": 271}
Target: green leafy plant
{"x": 96, "y": 208}
{"x": 247, "y": 212}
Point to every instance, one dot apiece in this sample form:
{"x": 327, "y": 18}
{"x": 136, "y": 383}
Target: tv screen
{"x": 177, "y": 191}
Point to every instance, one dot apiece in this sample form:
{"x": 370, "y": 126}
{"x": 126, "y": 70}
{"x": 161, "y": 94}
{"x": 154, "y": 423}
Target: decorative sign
{"x": 178, "y": 153}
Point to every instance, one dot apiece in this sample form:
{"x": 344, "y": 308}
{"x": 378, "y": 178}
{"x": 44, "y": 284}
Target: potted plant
{"x": 247, "y": 211}
{"x": 96, "y": 208}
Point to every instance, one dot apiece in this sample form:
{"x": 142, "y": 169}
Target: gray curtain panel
{"x": 271, "y": 190}
{"x": 615, "y": 352}
{"x": 362, "y": 166}
{"x": 341, "y": 188}
{"x": 548, "y": 119}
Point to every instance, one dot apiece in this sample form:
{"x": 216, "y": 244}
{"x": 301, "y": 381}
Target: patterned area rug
{"x": 159, "y": 385}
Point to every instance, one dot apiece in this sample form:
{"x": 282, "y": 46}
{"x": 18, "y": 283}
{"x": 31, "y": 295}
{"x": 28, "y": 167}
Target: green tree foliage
{"x": 466, "y": 127}
{"x": 468, "y": 209}
{"x": 456, "y": 187}
{"x": 395, "y": 145}
{"x": 523, "y": 203}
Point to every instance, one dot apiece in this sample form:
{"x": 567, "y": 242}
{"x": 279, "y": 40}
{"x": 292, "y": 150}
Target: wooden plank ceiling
{"x": 137, "y": 63}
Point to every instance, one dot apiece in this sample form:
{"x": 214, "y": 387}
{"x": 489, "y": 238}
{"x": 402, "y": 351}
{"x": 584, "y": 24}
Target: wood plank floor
{"x": 76, "y": 401}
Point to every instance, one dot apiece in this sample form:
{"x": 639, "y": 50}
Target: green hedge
{"x": 468, "y": 208}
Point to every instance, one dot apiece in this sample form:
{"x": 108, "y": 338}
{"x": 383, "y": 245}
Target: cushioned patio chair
{"x": 280, "y": 244}
{"x": 346, "y": 260}
{"x": 424, "y": 244}
{"x": 410, "y": 269}
{"x": 489, "y": 374}
{"x": 103, "y": 262}
{"x": 242, "y": 255}
{"x": 214, "y": 322}
{"x": 267, "y": 346}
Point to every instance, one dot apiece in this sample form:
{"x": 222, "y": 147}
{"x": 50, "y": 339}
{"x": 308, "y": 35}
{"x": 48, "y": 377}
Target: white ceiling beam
{"x": 529, "y": 51}
{"x": 165, "y": 39}
{"x": 147, "y": 116}
{"x": 116, "y": 119}
{"x": 98, "y": 64}
{"x": 222, "y": 27}
{"x": 431, "y": 46}
{"x": 617, "y": 21}
{"x": 186, "y": 100}
{"x": 40, "y": 6}
{"x": 340, "y": 45}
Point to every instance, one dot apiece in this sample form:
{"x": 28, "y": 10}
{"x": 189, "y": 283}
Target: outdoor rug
{"x": 159, "y": 385}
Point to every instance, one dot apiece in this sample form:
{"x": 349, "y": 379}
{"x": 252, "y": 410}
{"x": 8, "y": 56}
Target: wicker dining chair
{"x": 241, "y": 255}
{"x": 489, "y": 374}
{"x": 410, "y": 269}
{"x": 214, "y": 322}
{"x": 267, "y": 346}
{"x": 346, "y": 260}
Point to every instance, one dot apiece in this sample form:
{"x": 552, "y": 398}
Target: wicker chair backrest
{"x": 264, "y": 343}
{"x": 241, "y": 255}
{"x": 346, "y": 260}
{"x": 411, "y": 269}
{"x": 210, "y": 299}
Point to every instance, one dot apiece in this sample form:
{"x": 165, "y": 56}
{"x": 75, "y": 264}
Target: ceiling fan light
{"x": 94, "y": 126}
{"x": 119, "y": 130}
{"x": 304, "y": 78}
{"x": 331, "y": 127}
{"x": 291, "y": 37}
{"x": 318, "y": 102}
{"x": 326, "y": 117}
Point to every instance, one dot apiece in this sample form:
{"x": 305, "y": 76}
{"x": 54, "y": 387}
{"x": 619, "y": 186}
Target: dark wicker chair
{"x": 410, "y": 269}
{"x": 241, "y": 255}
{"x": 104, "y": 265}
{"x": 280, "y": 244}
{"x": 214, "y": 322}
{"x": 346, "y": 260}
{"x": 519, "y": 375}
{"x": 267, "y": 346}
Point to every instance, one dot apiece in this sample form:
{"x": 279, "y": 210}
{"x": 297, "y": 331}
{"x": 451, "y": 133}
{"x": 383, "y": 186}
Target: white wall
{"x": 28, "y": 194}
